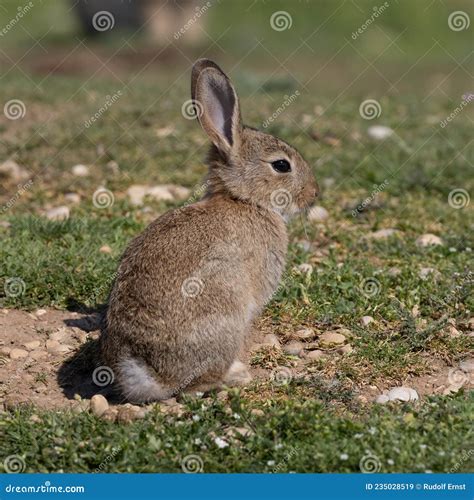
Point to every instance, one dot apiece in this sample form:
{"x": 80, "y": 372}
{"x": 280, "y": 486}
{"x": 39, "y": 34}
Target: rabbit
{"x": 188, "y": 288}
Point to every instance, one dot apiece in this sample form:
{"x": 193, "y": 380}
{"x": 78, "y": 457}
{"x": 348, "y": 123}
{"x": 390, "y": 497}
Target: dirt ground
{"x": 47, "y": 358}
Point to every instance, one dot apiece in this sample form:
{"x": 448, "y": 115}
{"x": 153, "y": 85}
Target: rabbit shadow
{"x": 82, "y": 374}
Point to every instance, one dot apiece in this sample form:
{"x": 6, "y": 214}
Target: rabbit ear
{"x": 216, "y": 104}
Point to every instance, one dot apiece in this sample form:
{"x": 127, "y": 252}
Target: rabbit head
{"x": 245, "y": 163}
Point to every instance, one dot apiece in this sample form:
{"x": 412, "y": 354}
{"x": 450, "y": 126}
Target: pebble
{"x": 305, "y": 268}
{"x": 105, "y": 249}
{"x": 426, "y": 271}
{"x": 271, "y": 339}
{"x": 383, "y": 233}
{"x": 426, "y": 240}
{"x": 80, "y": 170}
{"x": 366, "y": 320}
{"x": 331, "y": 338}
{"x": 318, "y": 214}
{"x": 347, "y": 349}
{"x": 98, "y": 405}
{"x": 37, "y": 355}
{"x": 467, "y": 365}
{"x": 379, "y": 132}
{"x": 110, "y": 415}
{"x": 18, "y": 354}
{"x": 40, "y": 312}
{"x": 136, "y": 194}
{"x": 59, "y": 335}
{"x": 453, "y": 332}
{"x": 164, "y": 192}
{"x": 402, "y": 394}
{"x": 53, "y": 345}
{"x": 72, "y": 197}
{"x": 256, "y": 412}
{"x": 316, "y": 354}
{"x": 304, "y": 333}
{"x": 293, "y": 347}
{"x": 12, "y": 170}
{"x": 31, "y": 346}
{"x": 58, "y": 213}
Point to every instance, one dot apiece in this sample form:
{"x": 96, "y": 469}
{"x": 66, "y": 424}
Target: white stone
{"x": 383, "y": 233}
{"x": 160, "y": 193}
{"x": 18, "y": 354}
{"x": 12, "y": 170}
{"x": 304, "y": 333}
{"x": 305, "y": 268}
{"x": 80, "y": 170}
{"x": 316, "y": 354}
{"x": 271, "y": 339}
{"x": 426, "y": 240}
{"x": 318, "y": 214}
{"x": 366, "y": 320}
{"x": 379, "y": 132}
{"x": 99, "y": 405}
{"x": 72, "y": 197}
{"x": 332, "y": 338}
{"x": 467, "y": 365}
{"x": 58, "y": 213}
{"x": 402, "y": 394}
{"x": 136, "y": 193}
{"x": 293, "y": 348}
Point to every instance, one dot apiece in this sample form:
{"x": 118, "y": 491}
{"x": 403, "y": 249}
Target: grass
{"x": 315, "y": 423}
{"x": 290, "y": 436}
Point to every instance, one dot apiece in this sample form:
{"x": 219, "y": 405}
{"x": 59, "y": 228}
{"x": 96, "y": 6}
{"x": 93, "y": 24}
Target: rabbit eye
{"x": 281, "y": 166}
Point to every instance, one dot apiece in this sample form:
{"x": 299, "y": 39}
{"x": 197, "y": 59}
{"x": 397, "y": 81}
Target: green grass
{"x": 312, "y": 421}
{"x": 291, "y": 436}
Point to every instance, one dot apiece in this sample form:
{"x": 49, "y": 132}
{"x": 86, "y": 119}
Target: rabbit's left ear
{"x": 216, "y": 104}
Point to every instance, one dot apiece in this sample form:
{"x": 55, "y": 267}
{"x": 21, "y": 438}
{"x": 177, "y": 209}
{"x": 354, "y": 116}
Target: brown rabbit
{"x": 188, "y": 288}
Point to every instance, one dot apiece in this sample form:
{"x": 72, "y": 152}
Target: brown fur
{"x": 232, "y": 244}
